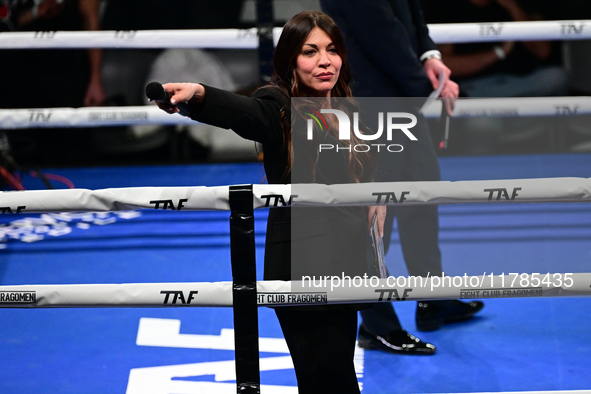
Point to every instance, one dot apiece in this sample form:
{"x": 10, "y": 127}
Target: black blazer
{"x": 300, "y": 241}
{"x": 385, "y": 39}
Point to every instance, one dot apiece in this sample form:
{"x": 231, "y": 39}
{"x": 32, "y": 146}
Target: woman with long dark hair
{"x": 310, "y": 63}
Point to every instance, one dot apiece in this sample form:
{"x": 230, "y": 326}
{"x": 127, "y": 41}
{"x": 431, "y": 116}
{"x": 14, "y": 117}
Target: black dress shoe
{"x": 432, "y": 315}
{"x": 399, "y": 341}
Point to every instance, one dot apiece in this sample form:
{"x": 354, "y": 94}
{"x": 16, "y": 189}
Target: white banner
{"x": 248, "y": 38}
{"x": 376, "y": 193}
{"x": 310, "y": 291}
{"x": 150, "y": 114}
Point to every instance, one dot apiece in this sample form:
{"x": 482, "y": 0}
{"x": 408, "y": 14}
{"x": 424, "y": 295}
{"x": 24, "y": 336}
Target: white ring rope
{"x": 375, "y": 193}
{"x": 248, "y": 38}
{"x": 214, "y": 38}
{"x": 444, "y": 33}
{"x": 313, "y": 290}
{"x": 150, "y": 114}
{"x": 88, "y": 117}
{"x": 307, "y": 292}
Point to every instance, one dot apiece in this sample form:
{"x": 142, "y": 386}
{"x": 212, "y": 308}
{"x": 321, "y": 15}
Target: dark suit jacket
{"x": 385, "y": 39}
{"x": 300, "y": 241}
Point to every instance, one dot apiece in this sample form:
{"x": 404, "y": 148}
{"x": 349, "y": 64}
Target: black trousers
{"x": 322, "y": 346}
{"x": 418, "y": 226}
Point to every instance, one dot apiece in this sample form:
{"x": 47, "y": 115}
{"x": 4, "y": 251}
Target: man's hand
{"x": 434, "y": 67}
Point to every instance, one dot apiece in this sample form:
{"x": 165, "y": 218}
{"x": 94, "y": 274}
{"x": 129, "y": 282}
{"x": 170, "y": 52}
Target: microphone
{"x": 444, "y": 124}
{"x": 155, "y": 91}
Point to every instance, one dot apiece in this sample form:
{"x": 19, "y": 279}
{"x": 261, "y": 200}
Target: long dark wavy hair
{"x": 285, "y": 77}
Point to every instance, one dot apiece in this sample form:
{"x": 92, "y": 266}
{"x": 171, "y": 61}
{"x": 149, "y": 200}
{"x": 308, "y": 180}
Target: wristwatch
{"x": 433, "y": 54}
{"x": 499, "y": 52}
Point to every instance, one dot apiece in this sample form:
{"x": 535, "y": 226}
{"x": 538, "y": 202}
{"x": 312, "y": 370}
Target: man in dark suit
{"x": 392, "y": 55}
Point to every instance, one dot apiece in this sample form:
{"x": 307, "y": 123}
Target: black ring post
{"x": 265, "y": 32}
{"x": 244, "y": 291}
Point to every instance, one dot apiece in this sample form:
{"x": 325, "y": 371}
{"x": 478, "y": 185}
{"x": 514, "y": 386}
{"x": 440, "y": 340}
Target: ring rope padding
{"x": 374, "y": 193}
{"x": 284, "y": 293}
{"x": 150, "y": 114}
{"x": 248, "y": 38}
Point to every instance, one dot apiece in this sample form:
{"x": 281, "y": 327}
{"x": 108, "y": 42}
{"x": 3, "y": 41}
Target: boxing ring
{"x": 245, "y": 294}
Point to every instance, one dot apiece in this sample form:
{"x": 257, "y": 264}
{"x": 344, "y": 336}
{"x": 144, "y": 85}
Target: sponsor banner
{"x": 18, "y": 297}
{"x": 248, "y": 38}
{"x": 309, "y": 291}
{"x": 292, "y": 298}
{"x": 502, "y": 293}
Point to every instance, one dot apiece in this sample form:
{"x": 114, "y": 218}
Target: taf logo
{"x": 39, "y": 116}
{"x": 278, "y": 199}
{"x": 247, "y": 33}
{"x": 169, "y": 204}
{"x": 44, "y": 34}
{"x": 387, "y": 295}
{"x": 490, "y": 29}
{"x": 176, "y": 297}
{"x": 345, "y": 129}
{"x": 502, "y": 193}
{"x": 568, "y": 29}
{"x": 125, "y": 34}
{"x": 565, "y": 110}
{"x": 19, "y": 209}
